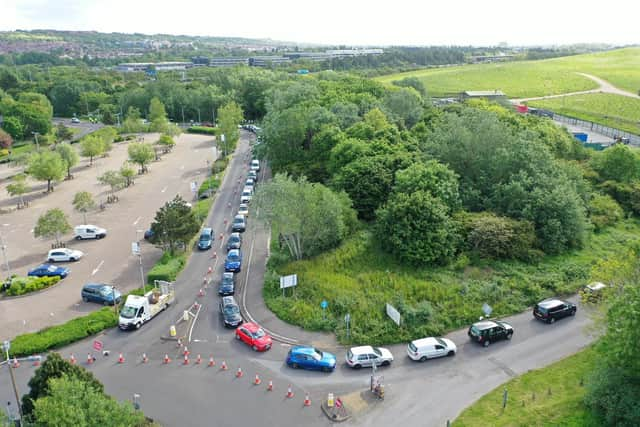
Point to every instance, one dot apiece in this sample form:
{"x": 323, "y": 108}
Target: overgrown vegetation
{"x": 25, "y": 285}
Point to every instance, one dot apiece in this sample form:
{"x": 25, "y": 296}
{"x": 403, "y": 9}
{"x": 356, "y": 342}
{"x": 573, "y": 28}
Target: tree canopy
{"x": 174, "y": 224}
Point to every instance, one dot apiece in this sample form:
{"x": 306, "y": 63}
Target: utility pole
{"x": 6, "y": 345}
{"x": 4, "y": 255}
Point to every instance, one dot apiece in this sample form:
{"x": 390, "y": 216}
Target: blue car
{"x": 48, "y": 270}
{"x": 311, "y": 358}
{"x": 233, "y": 261}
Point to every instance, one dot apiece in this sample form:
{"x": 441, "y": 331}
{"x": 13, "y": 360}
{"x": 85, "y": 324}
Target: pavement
{"x": 425, "y": 394}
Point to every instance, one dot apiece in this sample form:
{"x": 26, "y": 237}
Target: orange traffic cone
{"x": 145, "y": 359}
{"x": 120, "y": 358}
{"x": 212, "y": 362}
{"x": 72, "y": 359}
{"x": 270, "y": 386}
{"x": 209, "y": 270}
{"x": 289, "y": 392}
{"x": 186, "y": 359}
{"x": 223, "y": 367}
{"x": 307, "y": 401}
{"x": 89, "y": 359}
{"x": 221, "y": 236}
{"x": 16, "y": 364}
{"x": 166, "y": 359}
{"x": 239, "y": 373}
{"x": 257, "y": 381}
{"x": 198, "y": 360}
{"x": 186, "y": 351}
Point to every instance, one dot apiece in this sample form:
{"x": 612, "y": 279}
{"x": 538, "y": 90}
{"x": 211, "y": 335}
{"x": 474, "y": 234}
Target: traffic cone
{"x": 239, "y": 373}
{"x": 212, "y": 362}
{"x": 204, "y": 282}
{"x": 209, "y": 270}
{"x": 186, "y": 351}
{"x": 221, "y": 236}
{"x": 186, "y": 359}
{"x": 307, "y": 401}
{"x": 121, "y": 359}
{"x": 166, "y": 360}
{"x": 89, "y": 359}
{"x": 223, "y": 367}
{"x": 289, "y": 394}
{"x": 72, "y": 359}
{"x": 201, "y": 291}
{"x": 270, "y": 386}
{"x": 198, "y": 360}
{"x": 179, "y": 343}
{"x": 16, "y": 364}
{"x": 145, "y": 359}
{"x": 214, "y": 255}
{"x": 257, "y": 381}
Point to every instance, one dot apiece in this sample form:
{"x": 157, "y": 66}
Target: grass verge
{"x": 551, "y": 396}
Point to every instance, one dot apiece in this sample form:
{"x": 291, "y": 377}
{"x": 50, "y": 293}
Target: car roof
{"x": 596, "y": 286}
{"x": 551, "y": 302}
{"x": 235, "y": 235}
{"x": 252, "y": 327}
{"x": 303, "y": 350}
{"x": 484, "y": 324}
{"x": 363, "y": 349}
{"x": 229, "y": 300}
{"x": 234, "y": 252}
{"x": 425, "y": 341}
{"x": 239, "y": 216}
{"x": 95, "y": 285}
{"x": 207, "y": 230}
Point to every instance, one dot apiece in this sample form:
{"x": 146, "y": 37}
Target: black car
{"x": 239, "y": 224}
{"x": 234, "y": 241}
{"x": 230, "y": 312}
{"x": 553, "y": 309}
{"x": 488, "y": 331}
{"x": 227, "y": 284}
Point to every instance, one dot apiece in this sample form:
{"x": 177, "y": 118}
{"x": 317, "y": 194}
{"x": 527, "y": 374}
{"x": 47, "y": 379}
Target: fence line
{"x": 596, "y": 127}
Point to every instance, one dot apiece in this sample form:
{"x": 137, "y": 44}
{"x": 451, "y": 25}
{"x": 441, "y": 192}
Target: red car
{"x": 254, "y": 336}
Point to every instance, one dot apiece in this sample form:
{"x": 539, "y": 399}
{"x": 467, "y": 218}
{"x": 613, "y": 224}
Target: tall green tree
{"x": 618, "y": 163}
{"x": 69, "y": 155}
{"x": 14, "y": 127}
{"x": 133, "y": 122}
{"x": 83, "y": 202}
{"x": 174, "y": 224}
{"x": 52, "y": 224}
{"x": 229, "y": 117}
{"x": 113, "y": 179}
{"x": 157, "y": 116}
{"x": 91, "y": 146}
{"x": 18, "y": 187}
{"x": 141, "y": 154}
{"x": 404, "y": 106}
{"x": 432, "y": 177}
{"x": 47, "y": 166}
{"x": 166, "y": 142}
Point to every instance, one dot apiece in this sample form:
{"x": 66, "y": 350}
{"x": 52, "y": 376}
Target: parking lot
{"x": 108, "y": 260}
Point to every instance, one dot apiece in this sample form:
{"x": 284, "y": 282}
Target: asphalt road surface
{"x": 424, "y": 394}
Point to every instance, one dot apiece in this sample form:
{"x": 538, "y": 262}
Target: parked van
{"x": 430, "y": 348}
{"x": 89, "y": 232}
{"x": 206, "y": 239}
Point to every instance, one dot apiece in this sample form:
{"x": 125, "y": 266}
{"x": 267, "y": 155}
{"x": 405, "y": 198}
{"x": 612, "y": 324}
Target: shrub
{"x": 220, "y": 164}
{"x": 201, "y": 209}
{"x": 612, "y": 394}
{"x": 493, "y": 236}
{"x": 202, "y": 130}
{"x": 604, "y": 211}
{"x": 25, "y": 285}
{"x": 167, "y": 268}
{"x": 61, "y": 335}
{"x": 210, "y": 184}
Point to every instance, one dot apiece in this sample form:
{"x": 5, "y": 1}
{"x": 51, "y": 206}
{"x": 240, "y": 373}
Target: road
{"x": 425, "y": 394}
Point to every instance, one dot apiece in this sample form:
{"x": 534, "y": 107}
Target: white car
{"x": 64, "y": 254}
{"x": 255, "y": 165}
{"x": 358, "y": 357}
{"x": 89, "y": 232}
{"x": 246, "y": 195}
{"x": 243, "y": 209}
{"x": 430, "y": 348}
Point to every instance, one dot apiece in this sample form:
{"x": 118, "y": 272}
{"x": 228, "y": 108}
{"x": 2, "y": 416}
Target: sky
{"x": 349, "y": 22}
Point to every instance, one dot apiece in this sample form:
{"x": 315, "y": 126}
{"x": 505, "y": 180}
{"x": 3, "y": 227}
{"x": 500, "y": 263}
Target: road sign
{"x": 288, "y": 281}
{"x": 135, "y": 248}
{"x": 486, "y": 309}
{"x": 393, "y": 314}
{"x": 222, "y": 137}
{"x": 324, "y": 304}
{"x": 194, "y": 187}
{"x": 97, "y": 345}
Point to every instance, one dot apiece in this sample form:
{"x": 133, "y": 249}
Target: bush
{"x": 25, "y": 285}
{"x": 61, "y": 335}
{"x": 202, "y": 130}
{"x": 604, "y": 211}
{"x": 613, "y": 394}
{"x": 167, "y": 268}
{"x": 210, "y": 185}
{"x": 493, "y": 236}
{"x": 201, "y": 209}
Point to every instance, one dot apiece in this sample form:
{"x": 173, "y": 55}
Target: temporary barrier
{"x": 223, "y": 367}
{"x": 307, "y": 400}
{"x": 198, "y": 360}
{"x": 145, "y": 359}
{"x": 72, "y": 359}
{"x": 186, "y": 359}
{"x": 270, "y": 386}
{"x": 90, "y": 359}
{"x": 166, "y": 359}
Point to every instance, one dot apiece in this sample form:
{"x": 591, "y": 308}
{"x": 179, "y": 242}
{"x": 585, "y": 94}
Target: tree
{"x": 413, "y": 82}
{"x": 174, "y": 224}
{"x": 417, "y": 229}
{"x": 83, "y": 202}
{"x": 432, "y": 177}
{"x": 229, "y": 117}
{"x": 14, "y": 127}
{"x": 52, "y": 224}
{"x": 5, "y": 140}
{"x": 63, "y": 133}
{"x": 69, "y": 155}
{"x": 133, "y": 123}
{"x": 310, "y": 218}
{"x": 91, "y": 146}
{"x": 141, "y": 154}
{"x": 157, "y": 116}
{"x": 18, "y": 187}
{"x": 167, "y": 142}
{"x": 47, "y": 166}
{"x": 618, "y": 163}
{"x": 114, "y": 180}
{"x": 128, "y": 173}
{"x": 55, "y": 366}
{"x": 107, "y": 135}
{"x": 404, "y": 106}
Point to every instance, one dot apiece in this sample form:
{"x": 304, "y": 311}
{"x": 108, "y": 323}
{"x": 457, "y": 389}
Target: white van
{"x": 255, "y": 165}
{"x": 81, "y": 232}
{"x": 246, "y": 195}
{"x": 430, "y": 348}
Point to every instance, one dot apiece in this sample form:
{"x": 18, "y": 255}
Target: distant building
{"x": 158, "y": 66}
{"x": 265, "y": 61}
{"x": 491, "y": 58}
{"x": 134, "y": 66}
{"x": 200, "y": 60}
{"x": 492, "y": 95}
{"x": 353, "y": 52}
{"x": 308, "y": 56}
{"x": 228, "y": 62}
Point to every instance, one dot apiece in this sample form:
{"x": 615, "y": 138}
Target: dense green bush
{"x": 202, "y": 130}
{"x": 209, "y": 185}
{"x": 25, "y": 285}
{"x": 613, "y": 394}
{"x": 201, "y": 209}
{"x": 67, "y": 333}
{"x": 492, "y": 236}
{"x": 604, "y": 211}
{"x": 167, "y": 268}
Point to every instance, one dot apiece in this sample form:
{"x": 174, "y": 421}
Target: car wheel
{"x": 486, "y": 343}
{"x": 326, "y": 369}
{"x": 294, "y": 366}
{"x": 386, "y": 363}
{"x": 237, "y": 336}
{"x": 451, "y": 353}
{"x": 573, "y": 312}
{"x": 78, "y": 237}
{"x": 138, "y": 325}
{"x": 552, "y": 320}
{"x": 423, "y": 359}
{"x": 72, "y": 259}
{"x": 51, "y": 260}
{"x": 357, "y": 366}
{"x": 254, "y": 348}
{"x": 85, "y": 299}
{"x": 509, "y": 335}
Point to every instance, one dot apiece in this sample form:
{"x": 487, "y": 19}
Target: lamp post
{"x": 5, "y": 346}
{"x": 138, "y": 251}
{"x": 4, "y": 255}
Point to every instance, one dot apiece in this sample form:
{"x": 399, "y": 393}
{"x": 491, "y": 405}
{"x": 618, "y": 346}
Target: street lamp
{"x": 137, "y": 251}
{"x": 5, "y": 346}
{"x": 4, "y": 255}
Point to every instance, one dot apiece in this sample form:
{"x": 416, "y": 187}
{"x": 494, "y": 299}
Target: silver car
{"x": 363, "y": 356}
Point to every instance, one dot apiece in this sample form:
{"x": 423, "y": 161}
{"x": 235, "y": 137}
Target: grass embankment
{"x": 620, "y": 112}
{"x": 529, "y": 402}
{"x": 523, "y": 79}
{"x": 359, "y": 278}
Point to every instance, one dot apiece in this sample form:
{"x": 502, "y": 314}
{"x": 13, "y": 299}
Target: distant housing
{"x": 158, "y": 66}
{"x": 491, "y": 58}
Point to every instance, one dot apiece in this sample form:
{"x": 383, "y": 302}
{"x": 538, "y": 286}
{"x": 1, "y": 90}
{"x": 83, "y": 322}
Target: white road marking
{"x": 136, "y": 221}
{"x": 95, "y": 270}
{"x": 6, "y": 225}
{"x": 163, "y": 190}
{"x": 196, "y": 340}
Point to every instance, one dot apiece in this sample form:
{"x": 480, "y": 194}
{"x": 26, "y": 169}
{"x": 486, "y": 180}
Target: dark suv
{"x": 487, "y": 331}
{"x": 553, "y": 309}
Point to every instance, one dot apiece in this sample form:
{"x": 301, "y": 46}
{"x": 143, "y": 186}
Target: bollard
{"x": 172, "y": 331}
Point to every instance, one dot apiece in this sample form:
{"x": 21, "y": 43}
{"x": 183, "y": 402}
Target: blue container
{"x": 580, "y": 136}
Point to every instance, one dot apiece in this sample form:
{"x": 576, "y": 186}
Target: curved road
{"x": 196, "y": 395}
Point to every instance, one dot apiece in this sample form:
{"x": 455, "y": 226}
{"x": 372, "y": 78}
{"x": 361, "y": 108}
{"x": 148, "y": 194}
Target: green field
{"x": 533, "y": 78}
{"x": 617, "y": 111}
{"x": 563, "y": 407}
{"x": 359, "y": 278}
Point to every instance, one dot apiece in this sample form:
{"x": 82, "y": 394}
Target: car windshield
{"x": 204, "y": 238}
{"x": 349, "y": 355}
{"x": 441, "y": 342}
{"x": 238, "y": 220}
{"x": 541, "y": 309}
{"x": 233, "y": 258}
{"x": 105, "y": 291}
{"x": 128, "y": 312}
{"x": 317, "y": 354}
{"x": 377, "y": 351}
{"x": 52, "y": 268}
{"x": 475, "y": 330}
{"x": 227, "y": 280}
{"x": 230, "y": 310}
{"x": 259, "y": 333}
{"x": 412, "y": 347}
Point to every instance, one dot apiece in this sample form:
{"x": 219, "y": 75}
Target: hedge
{"x": 25, "y": 285}
{"x": 167, "y": 268}
{"x": 203, "y": 130}
{"x": 61, "y": 335}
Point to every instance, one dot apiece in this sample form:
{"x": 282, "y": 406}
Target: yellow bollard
{"x": 172, "y": 331}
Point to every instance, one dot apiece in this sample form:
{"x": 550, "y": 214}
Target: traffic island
{"x": 336, "y": 413}
{"x": 181, "y": 329}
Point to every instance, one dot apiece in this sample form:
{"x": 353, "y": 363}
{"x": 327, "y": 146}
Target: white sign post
{"x": 288, "y": 282}
{"x": 393, "y": 314}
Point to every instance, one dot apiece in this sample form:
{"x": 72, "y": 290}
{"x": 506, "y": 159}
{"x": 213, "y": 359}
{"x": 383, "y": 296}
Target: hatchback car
{"x": 358, "y": 357}
{"x": 230, "y": 312}
{"x": 255, "y": 165}
{"x": 64, "y": 254}
{"x": 101, "y": 293}
{"x": 487, "y": 331}
{"x": 206, "y": 239}
{"x": 239, "y": 224}
{"x": 48, "y": 270}
{"x": 250, "y": 182}
{"x": 234, "y": 241}
{"x": 243, "y": 209}
{"x": 553, "y": 309}
{"x": 246, "y": 195}
{"x": 254, "y": 336}
{"x": 311, "y": 358}
{"x": 253, "y": 175}
{"x": 234, "y": 261}
{"x": 227, "y": 284}
{"x": 430, "y": 348}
